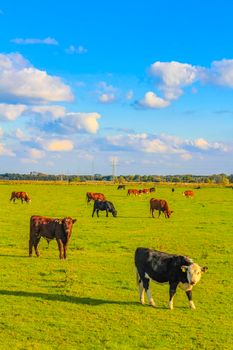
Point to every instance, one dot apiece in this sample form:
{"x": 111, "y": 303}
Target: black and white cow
{"x": 161, "y": 267}
{"x": 104, "y": 205}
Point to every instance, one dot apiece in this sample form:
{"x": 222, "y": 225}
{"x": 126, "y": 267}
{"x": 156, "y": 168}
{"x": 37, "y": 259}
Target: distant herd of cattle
{"x": 150, "y": 264}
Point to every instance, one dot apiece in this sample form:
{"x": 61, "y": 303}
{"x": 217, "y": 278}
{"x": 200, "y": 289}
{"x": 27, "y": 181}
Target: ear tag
{"x": 183, "y": 269}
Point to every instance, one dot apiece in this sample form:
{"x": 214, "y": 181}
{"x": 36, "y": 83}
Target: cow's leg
{"x": 97, "y": 212}
{"x": 152, "y": 212}
{"x": 191, "y": 303}
{"x": 159, "y": 213}
{"x": 93, "y": 212}
{"x": 60, "y": 246}
{"x": 30, "y": 247}
{"x": 146, "y": 285}
{"x": 64, "y": 250}
{"x": 141, "y": 288}
{"x": 36, "y": 243}
{"x": 172, "y": 292}
{"x": 106, "y": 212}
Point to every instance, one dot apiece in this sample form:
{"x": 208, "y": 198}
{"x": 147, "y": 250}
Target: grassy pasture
{"x": 90, "y": 301}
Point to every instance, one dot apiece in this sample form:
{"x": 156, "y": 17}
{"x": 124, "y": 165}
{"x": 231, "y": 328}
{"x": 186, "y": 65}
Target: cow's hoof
{"x": 142, "y": 302}
{"x": 192, "y": 305}
{"x": 152, "y": 303}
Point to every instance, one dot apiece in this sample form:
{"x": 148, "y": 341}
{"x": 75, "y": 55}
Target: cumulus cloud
{"x": 150, "y": 100}
{"x": 11, "y": 111}
{"x": 173, "y": 76}
{"x": 5, "y": 151}
{"x": 58, "y": 145}
{"x": 76, "y": 50}
{"x": 220, "y": 73}
{"x": 106, "y": 92}
{"x": 53, "y": 110}
{"x": 19, "y": 80}
{"x": 87, "y": 122}
{"x": 107, "y": 98}
{"x": 20, "y": 135}
{"x": 36, "y": 153}
{"x": 163, "y": 144}
{"x": 33, "y": 41}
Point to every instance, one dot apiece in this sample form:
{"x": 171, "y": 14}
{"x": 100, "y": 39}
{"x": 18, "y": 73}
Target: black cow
{"x": 121, "y": 187}
{"x": 152, "y": 189}
{"x": 173, "y": 190}
{"x": 104, "y": 205}
{"x": 161, "y": 267}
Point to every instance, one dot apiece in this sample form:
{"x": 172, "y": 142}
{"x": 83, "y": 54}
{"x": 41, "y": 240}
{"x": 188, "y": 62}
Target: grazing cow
{"x": 160, "y": 205}
{"x": 104, "y": 205}
{"x": 188, "y": 193}
{"x": 121, "y": 187}
{"x": 95, "y": 196}
{"x": 152, "y": 189}
{"x": 198, "y": 187}
{"x": 145, "y": 191}
{"x": 20, "y": 195}
{"x": 50, "y": 228}
{"x": 134, "y": 192}
{"x": 161, "y": 267}
{"x": 173, "y": 190}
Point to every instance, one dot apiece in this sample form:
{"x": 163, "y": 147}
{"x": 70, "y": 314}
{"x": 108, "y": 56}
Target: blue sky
{"x": 149, "y": 84}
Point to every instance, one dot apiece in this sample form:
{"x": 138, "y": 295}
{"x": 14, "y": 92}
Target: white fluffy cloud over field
{"x": 19, "y": 80}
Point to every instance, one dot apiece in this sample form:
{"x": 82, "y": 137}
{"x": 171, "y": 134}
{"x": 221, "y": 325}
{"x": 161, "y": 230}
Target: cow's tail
{"x": 137, "y": 277}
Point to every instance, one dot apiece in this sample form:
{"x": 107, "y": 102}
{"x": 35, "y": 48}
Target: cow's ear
{"x": 74, "y": 220}
{"x": 184, "y": 268}
{"x": 204, "y": 269}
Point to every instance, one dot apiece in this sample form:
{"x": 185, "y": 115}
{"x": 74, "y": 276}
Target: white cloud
{"x": 58, "y": 145}
{"x": 1, "y": 132}
{"x": 5, "y": 151}
{"x": 186, "y": 156}
{"x": 202, "y": 144}
{"x": 82, "y": 121}
{"x": 36, "y": 153}
{"x": 220, "y": 73}
{"x": 19, "y": 80}
{"x": 32, "y": 41}
{"x": 54, "y": 111}
{"x": 11, "y": 111}
{"x": 76, "y": 50}
{"x": 172, "y": 76}
{"x": 107, "y": 98}
{"x": 150, "y": 100}
{"x": 20, "y": 135}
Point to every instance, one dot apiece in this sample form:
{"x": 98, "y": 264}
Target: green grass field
{"x": 90, "y": 301}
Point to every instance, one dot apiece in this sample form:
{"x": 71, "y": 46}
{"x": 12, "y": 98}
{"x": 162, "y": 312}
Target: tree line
{"x": 208, "y": 179}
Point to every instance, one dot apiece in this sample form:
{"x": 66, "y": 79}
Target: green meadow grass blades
{"x": 91, "y": 301}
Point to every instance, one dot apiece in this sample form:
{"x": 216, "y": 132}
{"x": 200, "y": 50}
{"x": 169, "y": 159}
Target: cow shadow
{"x": 65, "y": 298}
{"x": 80, "y": 300}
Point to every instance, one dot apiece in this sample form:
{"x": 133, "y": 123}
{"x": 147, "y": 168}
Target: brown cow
{"x": 188, "y": 193}
{"x": 50, "y": 228}
{"x": 134, "y": 192}
{"x": 95, "y": 196}
{"x": 160, "y": 205}
{"x": 20, "y": 195}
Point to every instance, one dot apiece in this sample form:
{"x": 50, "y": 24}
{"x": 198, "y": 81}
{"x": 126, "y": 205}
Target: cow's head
{"x": 194, "y": 272}
{"x": 169, "y": 212}
{"x": 114, "y": 213}
{"x": 67, "y": 226}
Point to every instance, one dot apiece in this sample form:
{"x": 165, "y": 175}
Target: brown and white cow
{"x": 160, "y": 205}
{"x": 188, "y": 193}
{"x": 20, "y": 195}
{"x": 177, "y": 270}
{"x": 95, "y": 196}
{"x": 50, "y": 228}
